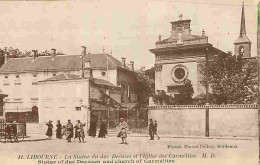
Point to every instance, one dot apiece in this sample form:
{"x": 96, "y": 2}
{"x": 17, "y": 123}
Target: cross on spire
{"x": 180, "y": 16}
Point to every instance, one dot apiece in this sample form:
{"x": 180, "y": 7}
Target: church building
{"x": 178, "y": 57}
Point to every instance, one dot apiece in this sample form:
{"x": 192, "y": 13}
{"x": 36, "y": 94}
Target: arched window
{"x": 241, "y": 51}
{"x": 35, "y": 115}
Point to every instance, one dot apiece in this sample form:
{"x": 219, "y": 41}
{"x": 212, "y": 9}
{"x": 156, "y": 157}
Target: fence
{"x": 21, "y": 128}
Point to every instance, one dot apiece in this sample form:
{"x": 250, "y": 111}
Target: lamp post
{"x": 207, "y": 94}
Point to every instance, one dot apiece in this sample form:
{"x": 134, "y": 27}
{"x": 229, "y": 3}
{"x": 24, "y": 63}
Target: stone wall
{"x": 189, "y": 120}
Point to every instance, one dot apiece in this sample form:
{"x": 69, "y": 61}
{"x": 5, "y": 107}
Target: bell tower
{"x": 242, "y": 43}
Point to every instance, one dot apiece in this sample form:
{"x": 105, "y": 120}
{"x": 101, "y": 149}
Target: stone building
{"x": 79, "y": 97}
{"x": 2, "y": 96}
{"x": 178, "y": 57}
{"x": 19, "y": 77}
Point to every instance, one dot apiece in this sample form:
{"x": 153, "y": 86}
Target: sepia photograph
{"x": 86, "y": 82}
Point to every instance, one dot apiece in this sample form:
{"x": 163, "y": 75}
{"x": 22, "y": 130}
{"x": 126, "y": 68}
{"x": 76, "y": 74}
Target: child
{"x": 123, "y": 135}
{"x": 123, "y": 130}
{"x": 63, "y": 131}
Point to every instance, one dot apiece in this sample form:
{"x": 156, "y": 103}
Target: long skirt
{"x": 80, "y": 133}
{"x": 58, "y": 134}
{"x": 49, "y": 132}
{"x": 69, "y": 135}
{"x": 102, "y": 131}
{"x": 122, "y": 133}
{"x": 92, "y": 129}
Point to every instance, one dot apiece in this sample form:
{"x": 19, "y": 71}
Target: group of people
{"x": 77, "y": 131}
{"x": 11, "y": 130}
{"x": 102, "y": 129}
{"x": 153, "y": 129}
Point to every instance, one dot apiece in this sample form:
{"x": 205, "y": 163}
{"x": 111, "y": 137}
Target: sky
{"x": 127, "y": 28}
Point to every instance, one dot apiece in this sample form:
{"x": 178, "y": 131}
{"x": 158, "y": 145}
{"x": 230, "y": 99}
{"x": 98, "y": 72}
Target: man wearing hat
{"x": 151, "y": 129}
{"x": 49, "y": 130}
{"x": 14, "y": 131}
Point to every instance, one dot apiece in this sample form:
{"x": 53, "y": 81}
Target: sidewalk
{"x": 193, "y": 137}
{"x": 37, "y": 137}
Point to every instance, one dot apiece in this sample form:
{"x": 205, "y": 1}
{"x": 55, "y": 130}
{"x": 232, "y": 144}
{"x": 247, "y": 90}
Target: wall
{"x": 110, "y": 75}
{"x": 62, "y": 97}
{"x": 1, "y": 107}
{"x": 24, "y": 96}
{"x": 128, "y": 81}
{"x": 189, "y": 120}
{"x": 158, "y": 80}
{"x": 247, "y": 49}
{"x": 166, "y": 74}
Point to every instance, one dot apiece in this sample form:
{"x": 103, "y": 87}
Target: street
{"x": 109, "y": 150}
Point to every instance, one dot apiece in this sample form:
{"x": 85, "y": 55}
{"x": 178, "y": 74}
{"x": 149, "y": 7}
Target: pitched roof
{"x": 59, "y": 63}
{"x": 103, "y": 82}
{"x": 66, "y": 76}
{"x": 242, "y": 39}
{"x": 62, "y": 76}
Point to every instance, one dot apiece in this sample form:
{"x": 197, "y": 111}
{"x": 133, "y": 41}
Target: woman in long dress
{"x": 92, "y": 129}
{"x": 49, "y": 130}
{"x": 58, "y": 130}
{"x": 102, "y": 130}
{"x": 69, "y": 129}
{"x": 122, "y": 130}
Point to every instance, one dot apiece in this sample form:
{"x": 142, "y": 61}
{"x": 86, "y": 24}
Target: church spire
{"x": 243, "y": 22}
{"x": 242, "y": 43}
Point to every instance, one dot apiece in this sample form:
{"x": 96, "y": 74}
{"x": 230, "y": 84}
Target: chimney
{"x": 85, "y": 70}
{"x": 84, "y": 48}
{"x": 84, "y": 55}
{"x": 132, "y": 65}
{"x": 203, "y": 33}
{"x": 35, "y": 54}
{"x": 160, "y": 37}
{"x": 6, "y": 57}
{"x": 123, "y": 61}
{"x": 53, "y": 53}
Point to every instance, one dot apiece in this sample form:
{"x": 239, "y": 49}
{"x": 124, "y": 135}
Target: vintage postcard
{"x": 129, "y": 82}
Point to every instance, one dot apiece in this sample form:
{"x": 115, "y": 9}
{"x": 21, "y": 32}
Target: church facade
{"x": 178, "y": 58}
